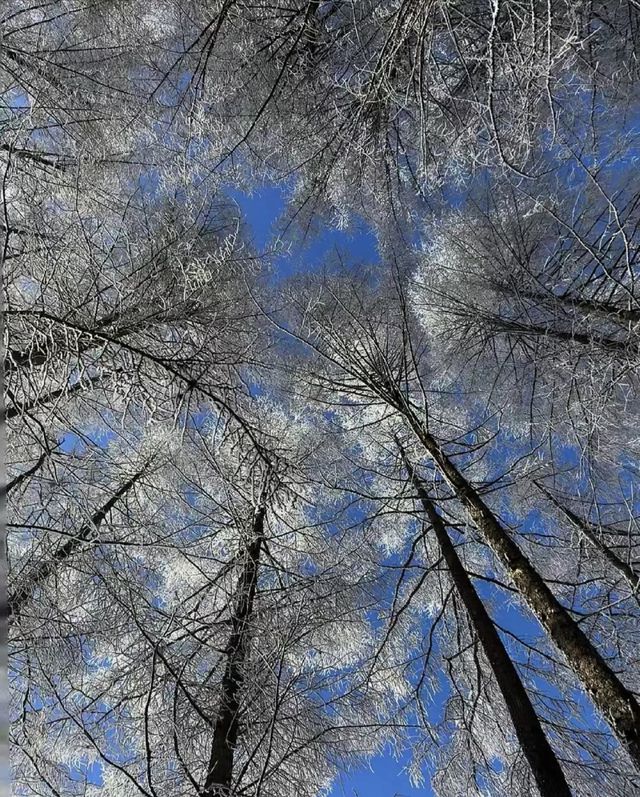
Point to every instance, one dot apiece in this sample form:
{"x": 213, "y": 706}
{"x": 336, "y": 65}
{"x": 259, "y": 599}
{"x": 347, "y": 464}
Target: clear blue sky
{"x": 384, "y": 779}
{"x": 263, "y": 209}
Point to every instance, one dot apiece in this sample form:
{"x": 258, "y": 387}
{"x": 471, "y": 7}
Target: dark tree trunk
{"x": 41, "y": 401}
{"x": 105, "y": 330}
{"x": 6, "y": 489}
{"x": 546, "y": 769}
{"x": 604, "y": 310}
{"x": 612, "y": 699}
{"x": 225, "y": 736}
{"x": 584, "y": 339}
{"x": 44, "y": 569}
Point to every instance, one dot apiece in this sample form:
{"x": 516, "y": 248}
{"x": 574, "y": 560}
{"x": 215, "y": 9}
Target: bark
{"x": 604, "y": 310}
{"x": 225, "y": 737}
{"x": 546, "y": 769}
{"x": 23, "y": 358}
{"x": 40, "y": 158}
{"x": 584, "y": 339}
{"x": 41, "y": 571}
{"x": 612, "y": 699}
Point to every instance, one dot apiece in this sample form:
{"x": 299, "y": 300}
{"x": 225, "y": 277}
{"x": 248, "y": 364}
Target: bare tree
{"x": 537, "y": 296}
{"x": 370, "y": 343}
{"x": 547, "y": 771}
{"x": 212, "y": 598}
{"x": 362, "y": 101}
{"x": 198, "y": 601}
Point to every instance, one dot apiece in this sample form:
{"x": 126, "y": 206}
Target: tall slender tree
{"x": 546, "y": 768}
{"x": 375, "y": 356}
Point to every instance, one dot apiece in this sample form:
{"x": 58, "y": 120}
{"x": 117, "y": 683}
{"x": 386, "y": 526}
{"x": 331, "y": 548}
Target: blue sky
{"x": 384, "y": 779}
{"x": 262, "y": 210}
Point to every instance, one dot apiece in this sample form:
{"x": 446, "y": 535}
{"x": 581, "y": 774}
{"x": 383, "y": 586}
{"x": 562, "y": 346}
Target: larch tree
{"x": 216, "y": 623}
{"x": 536, "y": 293}
{"x": 372, "y": 353}
{"x": 254, "y": 535}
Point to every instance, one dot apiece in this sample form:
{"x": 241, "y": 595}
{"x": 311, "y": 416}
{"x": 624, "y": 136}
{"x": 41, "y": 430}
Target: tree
{"x": 224, "y": 636}
{"x": 374, "y": 355}
{"x": 219, "y": 583}
{"x": 538, "y": 292}
{"x": 368, "y": 104}
{"x": 594, "y": 535}
{"x": 547, "y": 771}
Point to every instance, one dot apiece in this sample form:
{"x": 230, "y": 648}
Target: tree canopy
{"x": 272, "y": 516}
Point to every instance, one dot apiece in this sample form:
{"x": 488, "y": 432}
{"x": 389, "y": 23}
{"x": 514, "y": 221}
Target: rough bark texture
{"x": 614, "y": 701}
{"x": 225, "y": 736}
{"x": 546, "y": 769}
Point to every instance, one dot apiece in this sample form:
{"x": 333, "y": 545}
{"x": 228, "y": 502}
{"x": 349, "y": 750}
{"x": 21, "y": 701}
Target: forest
{"x": 321, "y": 345}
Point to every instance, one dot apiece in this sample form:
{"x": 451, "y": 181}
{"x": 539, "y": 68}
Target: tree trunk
{"x": 591, "y": 533}
{"x": 604, "y": 310}
{"x": 5, "y": 489}
{"x": 44, "y": 569}
{"x": 33, "y": 404}
{"x": 546, "y": 769}
{"x": 220, "y": 771}
{"x": 614, "y": 701}
{"x": 584, "y": 339}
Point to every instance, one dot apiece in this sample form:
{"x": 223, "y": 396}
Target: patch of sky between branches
{"x": 263, "y": 209}
{"x": 383, "y": 778}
